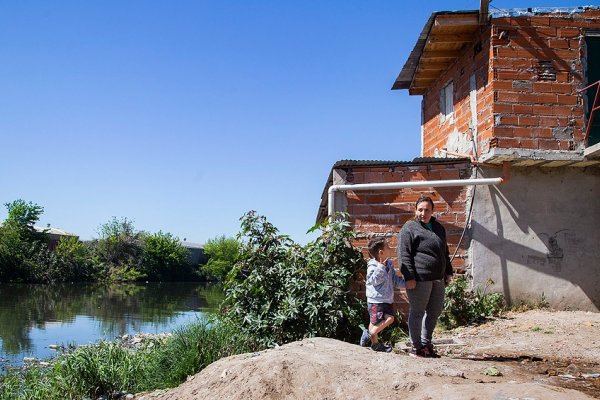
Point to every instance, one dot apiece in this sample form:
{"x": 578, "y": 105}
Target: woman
{"x": 425, "y": 264}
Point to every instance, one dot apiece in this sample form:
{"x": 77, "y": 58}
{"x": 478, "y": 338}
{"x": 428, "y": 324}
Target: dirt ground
{"x": 530, "y": 355}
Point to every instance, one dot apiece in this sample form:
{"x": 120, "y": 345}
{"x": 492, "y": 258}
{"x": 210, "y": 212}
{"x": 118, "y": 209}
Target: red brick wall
{"x": 382, "y": 213}
{"x": 518, "y": 105}
{"x": 474, "y": 60}
{"x": 533, "y": 110}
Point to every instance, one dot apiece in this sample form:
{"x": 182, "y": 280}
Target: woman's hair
{"x": 422, "y": 199}
{"x": 375, "y": 245}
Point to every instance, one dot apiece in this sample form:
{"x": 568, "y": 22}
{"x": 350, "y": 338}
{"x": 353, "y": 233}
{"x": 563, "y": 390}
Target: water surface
{"x": 33, "y": 317}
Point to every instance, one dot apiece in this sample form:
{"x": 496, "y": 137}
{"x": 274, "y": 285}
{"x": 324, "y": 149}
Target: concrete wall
{"x": 539, "y": 234}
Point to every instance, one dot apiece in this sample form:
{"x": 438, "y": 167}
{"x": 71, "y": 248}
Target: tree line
{"x": 120, "y": 253}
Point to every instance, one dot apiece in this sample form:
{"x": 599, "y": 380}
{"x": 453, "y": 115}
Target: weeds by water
{"x": 107, "y": 368}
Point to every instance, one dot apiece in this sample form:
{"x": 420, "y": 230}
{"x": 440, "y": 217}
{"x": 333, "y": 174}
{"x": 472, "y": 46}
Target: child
{"x": 380, "y": 282}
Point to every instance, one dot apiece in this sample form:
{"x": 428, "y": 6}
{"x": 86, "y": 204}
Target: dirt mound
{"x": 537, "y": 355}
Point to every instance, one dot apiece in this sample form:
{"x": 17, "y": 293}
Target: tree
{"x": 119, "y": 250}
{"x": 222, "y": 254}
{"x": 23, "y": 214}
{"x": 71, "y": 261}
{"x": 23, "y": 251}
{"x": 164, "y": 258}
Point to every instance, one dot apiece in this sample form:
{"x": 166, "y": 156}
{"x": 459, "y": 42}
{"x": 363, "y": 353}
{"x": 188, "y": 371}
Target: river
{"x": 34, "y": 317}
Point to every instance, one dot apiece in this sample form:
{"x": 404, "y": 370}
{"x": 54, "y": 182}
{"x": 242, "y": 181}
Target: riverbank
{"x": 535, "y": 354}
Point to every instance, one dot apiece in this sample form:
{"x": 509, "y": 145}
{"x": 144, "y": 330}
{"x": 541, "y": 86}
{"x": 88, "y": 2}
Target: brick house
{"x": 507, "y": 89}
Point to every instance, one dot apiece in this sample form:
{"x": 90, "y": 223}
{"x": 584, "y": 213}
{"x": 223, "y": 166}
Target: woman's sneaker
{"x": 422, "y": 352}
{"x": 431, "y": 351}
{"x": 381, "y": 347}
{"x": 365, "y": 338}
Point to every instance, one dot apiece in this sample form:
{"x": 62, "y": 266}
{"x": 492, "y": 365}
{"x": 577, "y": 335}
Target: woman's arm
{"x": 405, "y": 254}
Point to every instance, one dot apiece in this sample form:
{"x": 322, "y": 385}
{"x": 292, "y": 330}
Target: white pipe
{"x": 400, "y": 185}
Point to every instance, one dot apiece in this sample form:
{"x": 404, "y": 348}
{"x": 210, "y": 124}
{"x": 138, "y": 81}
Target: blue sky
{"x": 183, "y": 115}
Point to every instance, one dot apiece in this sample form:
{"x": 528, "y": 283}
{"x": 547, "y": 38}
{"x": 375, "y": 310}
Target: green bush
{"x": 463, "y": 306}
{"x": 164, "y": 258}
{"x": 279, "y": 291}
{"x": 118, "y": 251}
{"x": 222, "y": 254}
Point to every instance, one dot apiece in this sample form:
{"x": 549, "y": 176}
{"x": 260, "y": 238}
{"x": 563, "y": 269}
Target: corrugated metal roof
{"x": 382, "y": 163}
{"x": 191, "y": 245}
{"x": 53, "y": 231}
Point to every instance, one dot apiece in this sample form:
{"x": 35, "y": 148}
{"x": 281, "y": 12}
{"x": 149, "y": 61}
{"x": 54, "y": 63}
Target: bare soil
{"x": 530, "y": 355}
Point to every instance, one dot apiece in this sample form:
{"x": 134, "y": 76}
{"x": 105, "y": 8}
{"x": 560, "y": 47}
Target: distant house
{"x": 509, "y": 94}
{"x": 196, "y": 254}
{"x": 54, "y": 235}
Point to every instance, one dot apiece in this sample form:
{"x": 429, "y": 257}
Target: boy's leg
{"x": 418, "y": 299}
{"x": 375, "y": 329}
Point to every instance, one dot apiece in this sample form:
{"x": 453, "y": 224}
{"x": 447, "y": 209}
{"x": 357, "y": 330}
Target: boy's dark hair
{"x": 375, "y": 245}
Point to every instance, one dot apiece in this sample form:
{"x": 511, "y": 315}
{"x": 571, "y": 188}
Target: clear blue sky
{"x": 183, "y": 115}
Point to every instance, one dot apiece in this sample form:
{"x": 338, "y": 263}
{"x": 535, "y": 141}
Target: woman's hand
{"x": 411, "y": 284}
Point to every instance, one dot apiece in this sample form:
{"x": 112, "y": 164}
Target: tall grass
{"x": 108, "y": 369}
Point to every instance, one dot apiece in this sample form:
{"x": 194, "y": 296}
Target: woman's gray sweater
{"x": 423, "y": 253}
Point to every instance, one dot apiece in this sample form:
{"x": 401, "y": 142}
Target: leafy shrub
{"x": 164, "y": 258}
{"x": 464, "y": 306}
{"x": 119, "y": 250}
{"x": 279, "y": 291}
{"x": 70, "y": 261}
{"x": 223, "y": 253}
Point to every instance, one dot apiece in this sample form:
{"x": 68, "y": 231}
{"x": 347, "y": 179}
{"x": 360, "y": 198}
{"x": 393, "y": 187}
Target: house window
{"x": 592, "y": 74}
{"x": 447, "y": 101}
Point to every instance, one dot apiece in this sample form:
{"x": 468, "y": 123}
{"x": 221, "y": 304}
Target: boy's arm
{"x": 399, "y": 281}
{"x": 375, "y": 275}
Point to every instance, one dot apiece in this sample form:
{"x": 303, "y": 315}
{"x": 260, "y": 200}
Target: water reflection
{"x": 31, "y": 316}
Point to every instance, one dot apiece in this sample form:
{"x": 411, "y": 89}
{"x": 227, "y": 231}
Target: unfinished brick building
{"x": 517, "y": 89}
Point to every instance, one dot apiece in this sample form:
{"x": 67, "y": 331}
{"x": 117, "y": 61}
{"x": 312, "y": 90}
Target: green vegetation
{"x": 464, "y": 306}
{"x": 523, "y": 305}
{"x": 164, "y": 258}
{"x": 121, "y": 253}
{"x": 22, "y": 249}
{"x": 108, "y": 369}
{"x": 223, "y": 253}
{"x": 277, "y": 292}
{"x": 280, "y": 291}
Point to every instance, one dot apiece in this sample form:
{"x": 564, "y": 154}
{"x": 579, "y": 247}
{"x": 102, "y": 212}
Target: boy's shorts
{"x": 378, "y": 311}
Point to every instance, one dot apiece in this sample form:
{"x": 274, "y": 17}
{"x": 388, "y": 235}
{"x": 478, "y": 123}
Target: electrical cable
{"x": 468, "y": 220}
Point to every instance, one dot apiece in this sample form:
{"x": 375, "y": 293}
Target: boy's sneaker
{"x": 365, "y": 338}
{"x": 381, "y": 347}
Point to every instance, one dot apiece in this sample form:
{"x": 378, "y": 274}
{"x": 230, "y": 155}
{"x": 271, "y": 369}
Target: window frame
{"x": 447, "y": 102}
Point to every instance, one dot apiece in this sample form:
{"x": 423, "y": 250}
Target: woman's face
{"x": 424, "y": 212}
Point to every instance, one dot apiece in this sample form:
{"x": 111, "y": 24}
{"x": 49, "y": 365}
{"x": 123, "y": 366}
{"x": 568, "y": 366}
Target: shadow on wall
{"x": 543, "y": 236}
